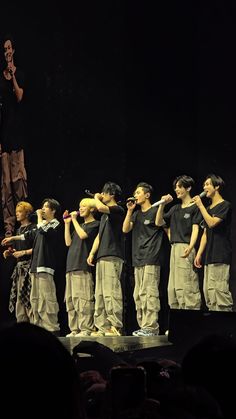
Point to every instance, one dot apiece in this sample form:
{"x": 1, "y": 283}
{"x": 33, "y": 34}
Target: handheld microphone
{"x": 162, "y": 201}
{"x": 68, "y": 215}
{"x": 87, "y": 191}
{"x": 202, "y": 194}
{"x": 131, "y": 199}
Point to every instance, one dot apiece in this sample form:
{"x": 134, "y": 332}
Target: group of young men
{"x": 97, "y": 310}
{"x": 94, "y": 302}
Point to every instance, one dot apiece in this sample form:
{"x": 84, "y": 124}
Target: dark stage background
{"x": 124, "y": 91}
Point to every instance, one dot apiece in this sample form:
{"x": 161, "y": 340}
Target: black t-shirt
{"x": 180, "y": 220}
{"x": 12, "y": 124}
{"x": 218, "y": 247}
{"x": 111, "y": 237}
{"x": 146, "y": 238}
{"x": 79, "y": 249}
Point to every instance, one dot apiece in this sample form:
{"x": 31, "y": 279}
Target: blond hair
{"x": 26, "y": 206}
{"x": 88, "y": 202}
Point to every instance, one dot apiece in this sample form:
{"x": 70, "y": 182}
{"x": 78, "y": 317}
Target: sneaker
{"x": 97, "y": 333}
{"x": 83, "y": 333}
{"x": 71, "y": 334}
{"x": 146, "y": 332}
{"x": 113, "y": 331}
{"x": 136, "y": 332}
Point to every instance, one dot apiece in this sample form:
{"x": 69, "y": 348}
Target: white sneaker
{"x": 83, "y": 333}
{"x": 71, "y": 334}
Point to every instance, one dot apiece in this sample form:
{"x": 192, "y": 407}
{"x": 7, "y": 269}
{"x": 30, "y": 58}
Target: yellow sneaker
{"x": 113, "y": 331}
{"x": 97, "y": 333}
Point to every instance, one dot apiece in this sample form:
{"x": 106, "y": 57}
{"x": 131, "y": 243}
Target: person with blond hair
{"x": 45, "y": 235}
{"x": 21, "y": 251}
{"x": 79, "y": 293}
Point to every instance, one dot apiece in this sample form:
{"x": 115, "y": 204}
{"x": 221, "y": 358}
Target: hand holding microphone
{"x": 197, "y": 199}
{"x": 69, "y": 215}
{"x": 166, "y": 199}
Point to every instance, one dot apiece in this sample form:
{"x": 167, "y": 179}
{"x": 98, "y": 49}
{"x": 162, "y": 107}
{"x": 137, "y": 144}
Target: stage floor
{"x": 120, "y": 344}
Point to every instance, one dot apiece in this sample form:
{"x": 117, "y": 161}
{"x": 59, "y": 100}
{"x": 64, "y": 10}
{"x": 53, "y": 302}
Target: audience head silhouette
{"x": 38, "y": 374}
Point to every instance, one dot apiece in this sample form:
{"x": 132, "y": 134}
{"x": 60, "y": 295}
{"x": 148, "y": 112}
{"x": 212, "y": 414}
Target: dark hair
{"x": 113, "y": 189}
{"x": 184, "y": 181}
{"x": 216, "y": 181}
{"x": 53, "y": 205}
{"x": 146, "y": 187}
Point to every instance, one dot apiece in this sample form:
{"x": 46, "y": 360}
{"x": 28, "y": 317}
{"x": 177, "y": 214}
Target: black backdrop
{"x": 125, "y": 91}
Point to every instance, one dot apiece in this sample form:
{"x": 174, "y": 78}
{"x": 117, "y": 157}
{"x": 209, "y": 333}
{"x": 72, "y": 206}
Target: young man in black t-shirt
{"x": 79, "y": 294}
{"x": 215, "y": 245}
{"x": 147, "y": 241}
{"x": 109, "y": 250}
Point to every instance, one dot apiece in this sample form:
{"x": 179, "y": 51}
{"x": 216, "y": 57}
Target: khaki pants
{"x": 146, "y": 296}
{"x": 216, "y": 287}
{"x": 108, "y": 294}
{"x": 44, "y": 301}
{"x": 183, "y": 284}
{"x": 79, "y": 297}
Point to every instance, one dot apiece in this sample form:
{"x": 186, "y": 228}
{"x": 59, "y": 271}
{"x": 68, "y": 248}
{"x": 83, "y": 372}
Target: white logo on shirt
{"x": 186, "y": 215}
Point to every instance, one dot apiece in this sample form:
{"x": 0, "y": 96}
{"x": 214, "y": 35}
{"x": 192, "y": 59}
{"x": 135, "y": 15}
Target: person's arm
{"x": 101, "y": 207}
{"x": 159, "y": 221}
{"x": 67, "y": 221}
{"x": 93, "y": 251}
{"x": 128, "y": 224}
{"x": 198, "y": 258}
{"x": 20, "y": 253}
{"x": 193, "y": 239}
{"x": 209, "y": 219}
{"x": 8, "y": 240}
{"x": 7, "y": 253}
{"x": 79, "y": 230}
{"x": 16, "y": 88}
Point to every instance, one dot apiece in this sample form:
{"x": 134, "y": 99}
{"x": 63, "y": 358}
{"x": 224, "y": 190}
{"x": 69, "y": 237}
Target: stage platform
{"x": 186, "y": 328}
{"x": 119, "y": 344}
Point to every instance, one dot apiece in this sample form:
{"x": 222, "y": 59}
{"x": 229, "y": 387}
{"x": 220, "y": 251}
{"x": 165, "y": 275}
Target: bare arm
{"x": 93, "y": 251}
{"x": 8, "y": 240}
{"x": 193, "y": 239}
{"x": 67, "y": 222}
{"x": 16, "y": 88}
{"x": 79, "y": 230}
{"x": 160, "y": 212}
{"x": 127, "y": 224}
{"x": 197, "y": 261}
{"x": 101, "y": 207}
{"x": 210, "y": 220}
